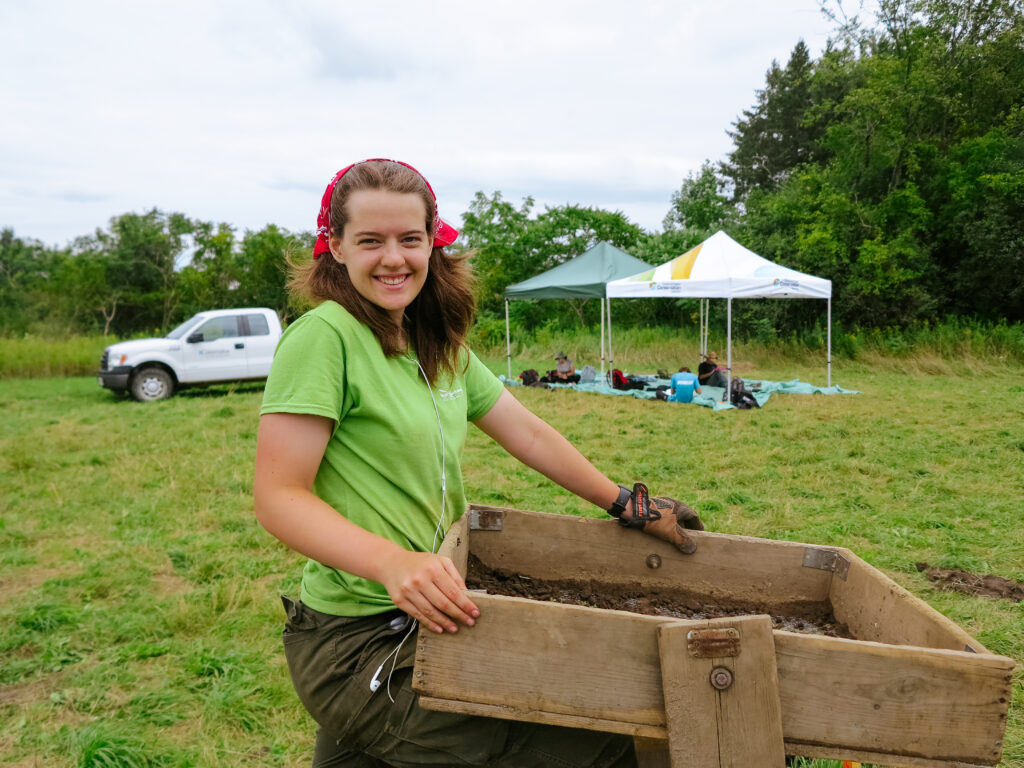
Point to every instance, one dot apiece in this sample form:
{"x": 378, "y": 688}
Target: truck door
{"x": 259, "y": 346}
{"x": 215, "y": 351}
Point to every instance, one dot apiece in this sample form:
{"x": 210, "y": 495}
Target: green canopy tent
{"x": 584, "y": 277}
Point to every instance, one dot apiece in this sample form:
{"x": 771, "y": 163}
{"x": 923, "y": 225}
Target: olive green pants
{"x": 334, "y": 662}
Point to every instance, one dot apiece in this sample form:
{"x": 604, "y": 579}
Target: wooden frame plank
{"x": 876, "y": 608}
{"x": 737, "y": 726}
{"x": 724, "y": 567}
{"x": 529, "y": 656}
{"x": 455, "y": 544}
{"x": 893, "y": 700}
{"x": 647, "y": 732}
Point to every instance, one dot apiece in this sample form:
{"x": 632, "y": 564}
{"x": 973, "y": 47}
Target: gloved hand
{"x": 664, "y": 517}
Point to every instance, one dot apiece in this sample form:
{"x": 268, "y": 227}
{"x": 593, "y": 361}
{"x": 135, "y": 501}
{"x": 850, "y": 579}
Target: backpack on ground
{"x": 531, "y": 378}
{"x": 740, "y": 397}
{"x": 588, "y": 374}
{"x": 621, "y": 381}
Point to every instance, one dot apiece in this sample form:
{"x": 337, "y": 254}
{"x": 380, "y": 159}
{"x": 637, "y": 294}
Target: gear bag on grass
{"x": 621, "y": 381}
{"x": 531, "y": 378}
{"x": 740, "y": 397}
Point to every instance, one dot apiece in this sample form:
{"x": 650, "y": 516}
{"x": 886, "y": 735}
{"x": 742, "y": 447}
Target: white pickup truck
{"x": 208, "y": 348}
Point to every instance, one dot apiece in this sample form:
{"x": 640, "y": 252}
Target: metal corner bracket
{"x": 827, "y": 560}
{"x": 486, "y": 519}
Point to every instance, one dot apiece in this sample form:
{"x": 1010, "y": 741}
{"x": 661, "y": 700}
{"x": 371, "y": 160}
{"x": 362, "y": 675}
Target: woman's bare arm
{"x": 289, "y": 448}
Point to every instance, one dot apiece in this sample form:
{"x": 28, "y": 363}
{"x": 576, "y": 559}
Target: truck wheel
{"x": 152, "y": 384}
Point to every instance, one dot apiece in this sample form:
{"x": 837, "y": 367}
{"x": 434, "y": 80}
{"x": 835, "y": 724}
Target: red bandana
{"x": 444, "y": 233}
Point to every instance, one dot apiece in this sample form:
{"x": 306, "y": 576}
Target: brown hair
{"x": 437, "y": 320}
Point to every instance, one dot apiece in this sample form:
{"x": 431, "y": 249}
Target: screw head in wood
{"x": 721, "y": 678}
{"x": 654, "y": 561}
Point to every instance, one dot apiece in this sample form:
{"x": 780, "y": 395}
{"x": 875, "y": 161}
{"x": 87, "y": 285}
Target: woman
{"x": 358, "y": 467}
{"x": 564, "y": 371}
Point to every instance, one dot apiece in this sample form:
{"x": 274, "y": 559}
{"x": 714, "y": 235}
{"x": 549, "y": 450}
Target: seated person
{"x": 684, "y": 384}
{"x": 708, "y": 372}
{"x": 564, "y": 371}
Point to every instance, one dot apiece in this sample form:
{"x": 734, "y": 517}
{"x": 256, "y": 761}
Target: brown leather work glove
{"x": 664, "y": 517}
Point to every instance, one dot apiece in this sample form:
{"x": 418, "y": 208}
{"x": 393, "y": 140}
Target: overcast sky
{"x": 242, "y": 111}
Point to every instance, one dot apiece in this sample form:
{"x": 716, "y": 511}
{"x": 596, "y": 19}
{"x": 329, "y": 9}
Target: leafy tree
{"x": 492, "y": 230}
{"x": 980, "y": 237}
{"x": 910, "y": 192}
{"x": 212, "y": 276}
{"x": 779, "y": 133}
{"x": 25, "y": 267}
{"x": 700, "y": 206}
{"x": 263, "y": 261}
{"x": 140, "y": 254}
{"x": 509, "y": 246}
{"x": 564, "y": 232}
{"x": 83, "y": 291}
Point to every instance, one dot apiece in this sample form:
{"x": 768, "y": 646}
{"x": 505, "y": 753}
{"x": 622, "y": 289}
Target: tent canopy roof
{"x": 721, "y": 268}
{"x": 581, "y": 278}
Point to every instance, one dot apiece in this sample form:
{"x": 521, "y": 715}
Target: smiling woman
{"x": 385, "y": 248}
{"x": 379, "y": 254}
{"x": 359, "y": 467}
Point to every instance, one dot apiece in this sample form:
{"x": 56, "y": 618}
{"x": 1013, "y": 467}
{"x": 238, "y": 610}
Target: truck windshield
{"x": 182, "y": 329}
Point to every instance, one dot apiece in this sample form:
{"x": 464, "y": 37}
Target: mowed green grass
{"x": 140, "y": 619}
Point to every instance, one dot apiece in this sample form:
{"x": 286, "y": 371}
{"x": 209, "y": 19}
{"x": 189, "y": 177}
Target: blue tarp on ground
{"x": 710, "y": 397}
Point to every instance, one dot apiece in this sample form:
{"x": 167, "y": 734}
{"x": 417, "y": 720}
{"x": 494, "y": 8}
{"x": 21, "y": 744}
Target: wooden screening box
{"x": 912, "y": 690}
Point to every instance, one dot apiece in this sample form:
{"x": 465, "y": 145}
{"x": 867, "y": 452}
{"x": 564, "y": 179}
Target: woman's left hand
{"x": 429, "y": 588}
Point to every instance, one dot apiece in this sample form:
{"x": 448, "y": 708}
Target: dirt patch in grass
{"x": 806, "y": 617}
{"x": 167, "y": 583}
{"x": 956, "y": 580}
{"x": 18, "y": 694}
{"x": 26, "y": 579}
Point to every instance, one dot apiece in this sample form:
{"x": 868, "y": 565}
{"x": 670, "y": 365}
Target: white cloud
{"x": 241, "y": 112}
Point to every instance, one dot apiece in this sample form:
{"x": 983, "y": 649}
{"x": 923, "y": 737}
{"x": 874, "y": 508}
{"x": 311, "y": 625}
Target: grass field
{"x": 140, "y": 618}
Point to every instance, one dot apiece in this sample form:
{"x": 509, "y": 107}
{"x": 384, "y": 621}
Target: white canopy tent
{"x": 721, "y": 268}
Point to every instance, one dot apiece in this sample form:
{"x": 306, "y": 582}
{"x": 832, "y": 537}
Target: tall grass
{"x": 952, "y": 347}
{"x": 38, "y": 357}
{"x": 946, "y": 347}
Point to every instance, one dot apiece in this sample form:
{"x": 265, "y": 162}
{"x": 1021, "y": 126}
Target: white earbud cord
{"x": 444, "y": 485}
{"x": 433, "y": 547}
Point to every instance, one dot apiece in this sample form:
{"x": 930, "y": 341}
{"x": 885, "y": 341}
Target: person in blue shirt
{"x": 684, "y": 384}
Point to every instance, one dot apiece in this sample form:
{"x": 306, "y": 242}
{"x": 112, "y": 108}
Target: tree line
{"x": 145, "y": 273}
{"x": 892, "y": 164}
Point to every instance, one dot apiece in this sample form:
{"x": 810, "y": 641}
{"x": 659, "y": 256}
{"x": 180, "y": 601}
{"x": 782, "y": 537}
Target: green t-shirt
{"x": 382, "y": 465}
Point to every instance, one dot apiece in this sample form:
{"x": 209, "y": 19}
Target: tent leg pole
{"x": 611, "y": 356}
{"x": 602, "y": 337}
{"x": 703, "y": 328}
{"x": 828, "y": 351}
{"x": 508, "y": 343}
{"x": 728, "y": 353}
